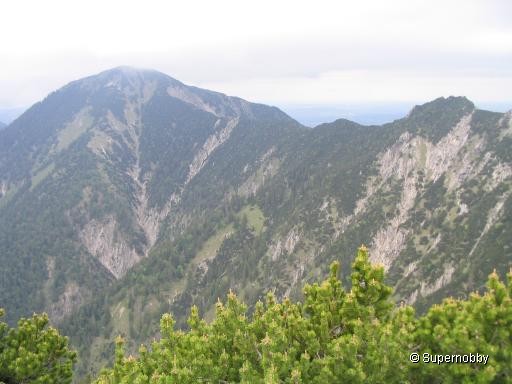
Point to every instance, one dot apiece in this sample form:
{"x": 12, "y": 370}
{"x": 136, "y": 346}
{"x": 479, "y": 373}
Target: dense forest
{"x": 335, "y": 334}
{"x": 128, "y": 194}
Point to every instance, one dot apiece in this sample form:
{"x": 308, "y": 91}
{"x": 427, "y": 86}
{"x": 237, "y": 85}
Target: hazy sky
{"x": 278, "y": 52}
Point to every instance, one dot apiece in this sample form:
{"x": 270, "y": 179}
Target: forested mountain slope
{"x": 129, "y": 194}
{"x": 89, "y": 175}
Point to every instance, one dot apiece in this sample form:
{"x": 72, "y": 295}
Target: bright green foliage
{"x": 482, "y": 324}
{"x": 34, "y": 353}
{"x": 334, "y": 336}
{"x": 105, "y": 152}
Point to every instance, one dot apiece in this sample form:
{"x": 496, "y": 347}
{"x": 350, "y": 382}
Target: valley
{"x": 128, "y": 194}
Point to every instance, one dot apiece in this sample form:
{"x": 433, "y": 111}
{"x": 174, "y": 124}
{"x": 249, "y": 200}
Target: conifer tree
{"x": 34, "y": 353}
{"x": 334, "y": 336}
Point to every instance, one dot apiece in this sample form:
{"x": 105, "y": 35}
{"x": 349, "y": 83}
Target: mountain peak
{"x": 130, "y": 72}
{"x": 443, "y": 104}
{"x": 435, "y": 118}
{"x": 123, "y": 78}
{"x": 129, "y": 69}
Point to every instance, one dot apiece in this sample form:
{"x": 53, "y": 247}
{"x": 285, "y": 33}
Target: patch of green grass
{"x": 212, "y": 245}
{"x": 255, "y": 217}
{"x": 41, "y": 175}
{"x": 423, "y": 154}
{"x": 73, "y": 130}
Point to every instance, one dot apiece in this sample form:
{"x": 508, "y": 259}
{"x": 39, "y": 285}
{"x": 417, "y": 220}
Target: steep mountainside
{"x": 128, "y": 194}
{"x": 89, "y": 175}
{"x": 2, "y": 125}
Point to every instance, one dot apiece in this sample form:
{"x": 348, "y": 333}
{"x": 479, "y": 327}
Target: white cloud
{"x": 360, "y": 86}
{"x": 270, "y": 51}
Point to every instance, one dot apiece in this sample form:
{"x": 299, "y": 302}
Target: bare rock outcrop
{"x": 404, "y": 161}
{"x": 286, "y": 244}
{"x": 70, "y": 299}
{"x": 211, "y": 144}
{"x": 104, "y": 241}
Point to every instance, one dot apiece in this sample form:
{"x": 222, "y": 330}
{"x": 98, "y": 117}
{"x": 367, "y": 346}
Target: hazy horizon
{"x": 311, "y": 115}
{"x": 284, "y": 53}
